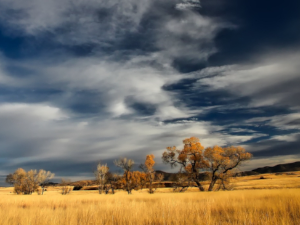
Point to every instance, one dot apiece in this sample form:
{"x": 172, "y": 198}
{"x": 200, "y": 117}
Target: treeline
{"x": 195, "y": 163}
{"x": 130, "y": 180}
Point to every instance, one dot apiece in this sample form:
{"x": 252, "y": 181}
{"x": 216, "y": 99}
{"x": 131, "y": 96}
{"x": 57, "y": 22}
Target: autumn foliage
{"x": 27, "y": 182}
{"x": 194, "y": 160}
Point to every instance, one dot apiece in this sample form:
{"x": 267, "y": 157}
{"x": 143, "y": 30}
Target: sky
{"x": 89, "y": 81}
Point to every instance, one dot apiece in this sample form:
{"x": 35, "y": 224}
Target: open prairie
{"x": 275, "y": 200}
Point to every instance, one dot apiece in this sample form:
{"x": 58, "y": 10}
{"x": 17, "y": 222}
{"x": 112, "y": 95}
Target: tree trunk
{"x": 199, "y": 185}
{"x": 150, "y": 187}
{"x": 112, "y": 190}
{"x": 212, "y": 184}
{"x": 127, "y": 187}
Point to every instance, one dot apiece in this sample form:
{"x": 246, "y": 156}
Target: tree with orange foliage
{"x": 131, "y": 181}
{"x": 190, "y": 159}
{"x": 223, "y": 160}
{"x": 194, "y": 161}
{"x": 147, "y": 167}
{"x": 143, "y": 180}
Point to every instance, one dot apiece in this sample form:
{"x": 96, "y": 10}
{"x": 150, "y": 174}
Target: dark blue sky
{"x": 89, "y": 81}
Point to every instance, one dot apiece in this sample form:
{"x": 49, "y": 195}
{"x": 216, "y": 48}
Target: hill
{"x": 279, "y": 168}
{"x": 288, "y": 167}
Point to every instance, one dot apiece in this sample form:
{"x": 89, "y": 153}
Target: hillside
{"x": 279, "y": 168}
{"x": 295, "y": 166}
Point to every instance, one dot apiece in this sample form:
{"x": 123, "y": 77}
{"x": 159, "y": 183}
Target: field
{"x": 275, "y": 200}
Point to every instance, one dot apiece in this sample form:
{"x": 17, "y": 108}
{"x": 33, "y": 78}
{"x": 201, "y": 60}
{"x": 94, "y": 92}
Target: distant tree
{"x": 112, "y": 182}
{"x": 126, "y": 165}
{"x": 45, "y": 177}
{"x": 65, "y": 186}
{"x": 147, "y": 167}
{"x": 28, "y": 182}
{"x": 143, "y": 180}
{"x": 194, "y": 161}
{"x": 101, "y": 176}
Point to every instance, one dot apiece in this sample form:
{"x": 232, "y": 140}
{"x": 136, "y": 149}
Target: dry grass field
{"x": 275, "y": 200}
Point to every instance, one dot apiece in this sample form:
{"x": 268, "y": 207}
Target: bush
{"x": 77, "y": 188}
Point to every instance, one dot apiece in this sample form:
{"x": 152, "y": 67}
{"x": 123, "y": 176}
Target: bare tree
{"x": 101, "y": 176}
{"x": 126, "y": 165}
{"x": 65, "y": 186}
{"x": 45, "y": 177}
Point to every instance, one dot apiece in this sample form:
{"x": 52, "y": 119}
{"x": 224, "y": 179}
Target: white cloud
{"x": 265, "y": 82}
{"x": 281, "y": 122}
{"x": 198, "y": 30}
{"x": 40, "y": 111}
{"x": 188, "y": 4}
{"x": 74, "y": 21}
{"x": 287, "y": 138}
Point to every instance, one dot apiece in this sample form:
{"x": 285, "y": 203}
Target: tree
{"x": 222, "y": 161}
{"x": 126, "y": 165}
{"x": 65, "y": 188}
{"x": 28, "y": 182}
{"x": 131, "y": 181}
{"x": 147, "y": 167}
{"x": 111, "y": 182}
{"x": 194, "y": 161}
{"x": 101, "y": 176}
{"x": 143, "y": 180}
{"x": 45, "y": 177}
{"x": 190, "y": 159}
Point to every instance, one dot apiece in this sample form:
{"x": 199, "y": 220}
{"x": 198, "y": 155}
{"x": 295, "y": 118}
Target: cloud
{"x": 77, "y": 21}
{"x": 188, "y": 4}
{"x": 272, "y": 81}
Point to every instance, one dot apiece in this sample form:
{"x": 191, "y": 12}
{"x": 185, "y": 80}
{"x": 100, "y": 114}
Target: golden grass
{"x": 256, "y": 207}
{"x": 87, "y": 207}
